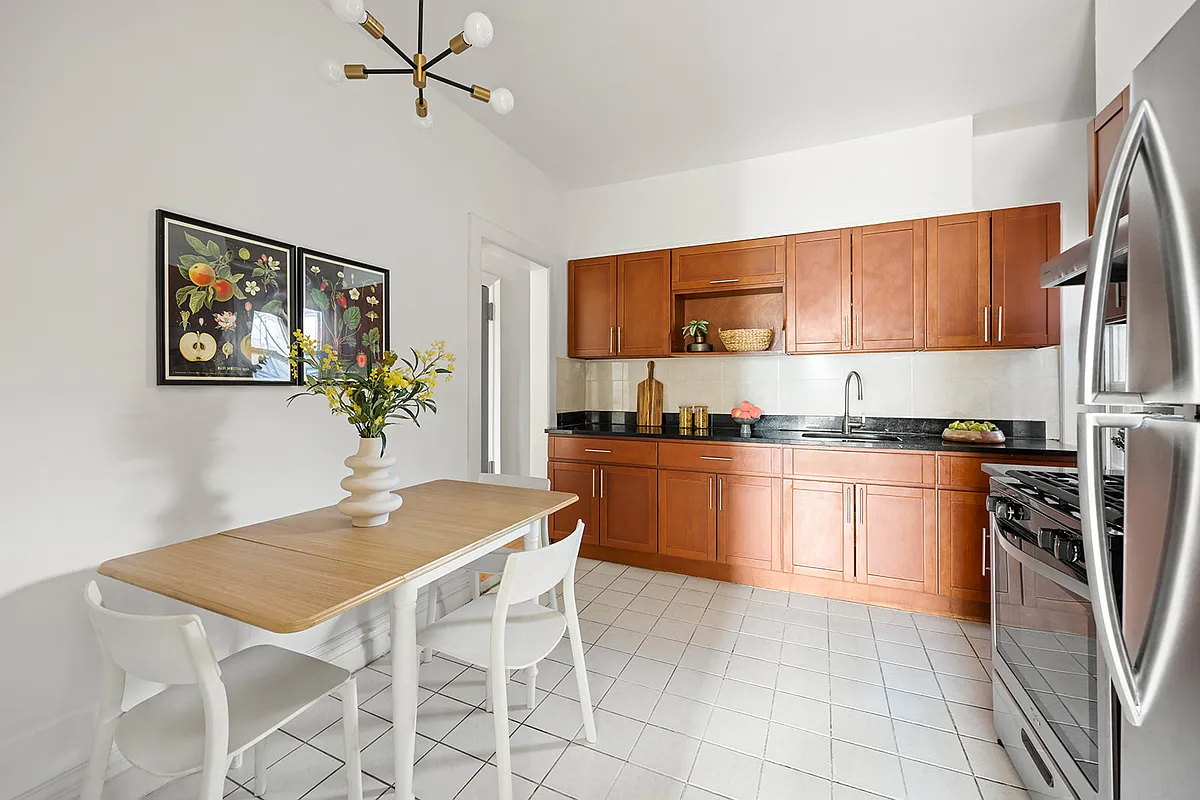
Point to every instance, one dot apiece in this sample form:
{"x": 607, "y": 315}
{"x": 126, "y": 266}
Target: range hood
{"x": 1070, "y": 268}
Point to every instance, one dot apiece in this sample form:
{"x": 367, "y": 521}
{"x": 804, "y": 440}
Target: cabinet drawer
{"x": 604, "y": 451}
{"x": 719, "y": 457}
{"x": 869, "y": 467}
{"x": 966, "y": 472}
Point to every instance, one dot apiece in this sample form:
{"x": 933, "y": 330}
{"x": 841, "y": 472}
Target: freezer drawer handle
{"x": 1142, "y": 136}
{"x": 1047, "y": 775}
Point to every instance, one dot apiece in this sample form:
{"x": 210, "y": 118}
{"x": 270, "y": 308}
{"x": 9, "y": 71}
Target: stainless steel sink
{"x": 861, "y": 436}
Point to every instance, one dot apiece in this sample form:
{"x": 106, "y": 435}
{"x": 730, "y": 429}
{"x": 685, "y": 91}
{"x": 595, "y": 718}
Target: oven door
{"x": 1044, "y": 646}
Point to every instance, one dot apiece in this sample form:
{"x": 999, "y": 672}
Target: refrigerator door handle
{"x": 1142, "y": 136}
{"x": 1137, "y": 683}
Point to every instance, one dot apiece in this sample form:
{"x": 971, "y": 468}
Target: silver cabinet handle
{"x": 1142, "y": 136}
{"x": 602, "y": 483}
{"x": 710, "y": 484}
{"x": 1138, "y": 684}
{"x": 848, "y": 501}
{"x": 987, "y": 324}
{"x": 618, "y": 340}
{"x": 591, "y": 450}
{"x": 720, "y": 494}
{"x": 984, "y": 568}
{"x": 999, "y": 323}
{"x": 593, "y": 481}
{"x": 610, "y": 338}
{"x": 715, "y": 458}
{"x": 862, "y": 504}
{"x": 725, "y": 280}
{"x": 848, "y": 337}
{"x": 858, "y": 321}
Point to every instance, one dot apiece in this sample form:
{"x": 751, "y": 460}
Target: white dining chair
{"x": 213, "y": 710}
{"x": 508, "y": 630}
{"x": 491, "y": 563}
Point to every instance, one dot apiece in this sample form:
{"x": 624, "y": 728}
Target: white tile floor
{"x": 703, "y": 690}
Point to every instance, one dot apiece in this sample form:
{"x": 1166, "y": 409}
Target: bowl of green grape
{"x": 972, "y": 431}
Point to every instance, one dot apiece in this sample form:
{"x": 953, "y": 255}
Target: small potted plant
{"x": 698, "y": 330}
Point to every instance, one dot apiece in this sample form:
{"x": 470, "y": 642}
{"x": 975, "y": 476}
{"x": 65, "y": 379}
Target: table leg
{"x": 404, "y": 686}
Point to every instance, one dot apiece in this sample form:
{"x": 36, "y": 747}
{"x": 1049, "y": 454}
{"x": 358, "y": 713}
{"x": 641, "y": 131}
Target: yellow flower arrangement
{"x": 395, "y": 389}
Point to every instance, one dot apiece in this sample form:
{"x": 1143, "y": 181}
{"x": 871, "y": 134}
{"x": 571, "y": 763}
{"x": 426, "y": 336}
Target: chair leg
{"x": 531, "y": 686}
{"x": 260, "y": 770}
{"x": 475, "y": 580}
{"x": 349, "y": 693}
{"x": 93, "y": 782}
{"x": 545, "y": 542}
{"x": 496, "y": 680}
{"x": 431, "y": 598}
{"x": 487, "y": 703}
{"x": 581, "y": 678}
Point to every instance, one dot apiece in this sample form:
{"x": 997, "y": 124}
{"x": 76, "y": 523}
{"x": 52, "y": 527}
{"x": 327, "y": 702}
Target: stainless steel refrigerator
{"x": 1147, "y": 602}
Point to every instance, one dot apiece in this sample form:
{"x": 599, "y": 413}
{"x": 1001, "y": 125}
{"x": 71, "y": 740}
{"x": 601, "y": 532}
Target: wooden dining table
{"x": 289, "y": 574}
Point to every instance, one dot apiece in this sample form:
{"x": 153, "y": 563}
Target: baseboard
{"x": 352, "y": 650}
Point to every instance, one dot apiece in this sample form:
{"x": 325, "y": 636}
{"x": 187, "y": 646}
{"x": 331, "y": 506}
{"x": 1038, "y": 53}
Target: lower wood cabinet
{"x": 579, "y": 479}
{"x": 629, "y": 508}
{"x": 963, "y": 525}
{"x": 733, "y": 519}
{"x": 818, "y": 528}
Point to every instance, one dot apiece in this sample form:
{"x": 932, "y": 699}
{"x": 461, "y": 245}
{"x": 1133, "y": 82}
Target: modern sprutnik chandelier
{"x": 476, "y": 32}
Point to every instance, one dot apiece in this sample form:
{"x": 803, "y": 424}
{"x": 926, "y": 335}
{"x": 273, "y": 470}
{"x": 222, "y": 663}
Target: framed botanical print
{"x": 344, "y": 304}
{"x": 225, "y": 305}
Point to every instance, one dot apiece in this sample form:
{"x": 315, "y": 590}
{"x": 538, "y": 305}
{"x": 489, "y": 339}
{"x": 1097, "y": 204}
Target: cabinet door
{"x": 818, "y": 292}
{"x": 963, "y": 526}
{"x": 818, "y": 529}
{"x": 959, "y": 281}
{"x": 896, "y": 537}
{"x": 592, "y": 307}
{"x": 748, "y": 521}
{"x": 1023, "y": 313}
{"x": 687, "y": 521}
{"x": 729, "y": 264}
{"x": 1103, "y": 133}
{"x": 629, "y": 508}
{"x": 888, "y": 277}
{"x": 579, "y": 479}
{"x": 643, "y": 304}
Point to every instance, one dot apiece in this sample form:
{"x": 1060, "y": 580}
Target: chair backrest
{"x": 163, "y": 649}
{"x": 531, "y": 573}
{"x": 519, "y": 481}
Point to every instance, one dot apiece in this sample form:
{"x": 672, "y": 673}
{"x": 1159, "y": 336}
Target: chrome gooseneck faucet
{"x": 848, "y": 423}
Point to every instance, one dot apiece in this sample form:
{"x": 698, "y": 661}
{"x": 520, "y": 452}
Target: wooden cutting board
{"x": 650, "y": 401}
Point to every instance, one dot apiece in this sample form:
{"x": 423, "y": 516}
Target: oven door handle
{"x": 1072, "y": 585}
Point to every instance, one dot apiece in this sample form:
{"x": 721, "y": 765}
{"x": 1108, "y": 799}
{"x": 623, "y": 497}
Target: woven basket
{"x": 747, "y": 340}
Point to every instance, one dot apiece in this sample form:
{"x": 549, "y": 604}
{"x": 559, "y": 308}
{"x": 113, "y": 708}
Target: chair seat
{"x": 265, "y": 686}
{"x": 491, "y": 563}
{"x": 531, "y": 633}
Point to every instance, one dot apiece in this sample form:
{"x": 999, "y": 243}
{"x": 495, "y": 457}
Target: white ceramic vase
{"x": 370, "y": 487}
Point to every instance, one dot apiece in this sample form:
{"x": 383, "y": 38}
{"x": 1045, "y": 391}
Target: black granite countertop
{"x": 1024, "y": 438}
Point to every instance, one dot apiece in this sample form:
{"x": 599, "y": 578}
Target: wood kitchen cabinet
{"x": 1023, "y": 313}
{"x": 959, "y": 284}
{"x": 1103, "y": 133}
{"x": 729, "y": 264}
{"x": 963, "y": 525}
{"x": 687, "y": 522}
{"x": 818, "y": 528}
{"x": 818, "y": 292}
{"x": 748, "y": 519}
{"x": 888, "y": 286}
{"x": 629, "y": 508}
{"x": 896, "y": 537}
{"x": 580, "y": 480}
{"x": 619, "y": 306}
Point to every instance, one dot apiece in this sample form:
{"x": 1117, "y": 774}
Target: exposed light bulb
{"x": 477, "y": 29}
{"x": 425, "y": 122}
{"x": 502, "y": 101}
{"x": 330, "y": 70}
{"x": 352, "y": 11}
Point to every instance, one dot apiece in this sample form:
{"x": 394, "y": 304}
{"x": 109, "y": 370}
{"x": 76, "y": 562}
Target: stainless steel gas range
{"x": 1051, "y": 697}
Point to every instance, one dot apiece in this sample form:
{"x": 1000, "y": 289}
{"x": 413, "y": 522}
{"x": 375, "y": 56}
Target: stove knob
{"x": 1005, "y": 509}
{"x": 1068, "y": 548}
{"x": 1046, "y": 537}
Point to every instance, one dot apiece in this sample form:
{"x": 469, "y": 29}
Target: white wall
{"x": 1126, "y": 32}
{"x": 212, "y": 109}
{"x": 927, "y": 171}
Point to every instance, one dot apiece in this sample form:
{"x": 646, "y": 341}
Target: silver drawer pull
{"x": 715, "y": 458}
{"x": 590, "y": 450}
{"x": 726, "y": 280}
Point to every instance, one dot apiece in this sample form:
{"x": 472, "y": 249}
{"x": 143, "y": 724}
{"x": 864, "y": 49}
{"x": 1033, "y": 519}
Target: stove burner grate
{"x": 1061, "y": 489}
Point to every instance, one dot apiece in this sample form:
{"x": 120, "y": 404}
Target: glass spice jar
{"x": 700, "y": 417}
{"x": 685, "y": 419}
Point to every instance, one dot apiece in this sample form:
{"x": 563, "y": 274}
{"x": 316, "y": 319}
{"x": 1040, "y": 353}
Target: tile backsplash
{"x": 1006, "y": 384}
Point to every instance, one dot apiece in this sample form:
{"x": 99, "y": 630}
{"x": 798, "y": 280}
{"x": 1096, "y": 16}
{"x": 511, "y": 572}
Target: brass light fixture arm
{"x": 399, "y": 52}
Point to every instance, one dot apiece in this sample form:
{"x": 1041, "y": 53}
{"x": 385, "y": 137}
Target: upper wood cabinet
{"x": 592, "y": 307}
{"x": 619, "y": 306}
{"x": 729, "y": 264}
{"x": 1023, "y": 313}
{"x": 1103, "y": 133}
{"x": 818, "y": 292}
{"x": 959, "y": 281}
{"x": 888, "y": 286}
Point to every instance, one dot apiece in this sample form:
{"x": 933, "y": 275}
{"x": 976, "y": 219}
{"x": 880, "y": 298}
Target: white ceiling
{"x": 611, "y": 90}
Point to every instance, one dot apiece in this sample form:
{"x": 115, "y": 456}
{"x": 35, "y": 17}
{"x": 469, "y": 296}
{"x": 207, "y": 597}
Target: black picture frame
{"x": 329, "y": 289}
{"x": 239, "y": 340}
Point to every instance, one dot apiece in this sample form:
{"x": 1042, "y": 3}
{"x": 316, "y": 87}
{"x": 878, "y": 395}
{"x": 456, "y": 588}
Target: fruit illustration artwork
{"x": 361, "y": 360}
{"x": 746, "y": 411}
{"x": 247, "y": 350}
{"x": 202, "y": 274}
{"x": 197, "y": 346}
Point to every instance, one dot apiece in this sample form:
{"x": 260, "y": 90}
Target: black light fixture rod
{"x": 420, "y": 26}
{"x": 439, "y": 57}
{"x": 449, "y": 82}
{"x": 398, "y": 51}
{"x": 388, "y": 71}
